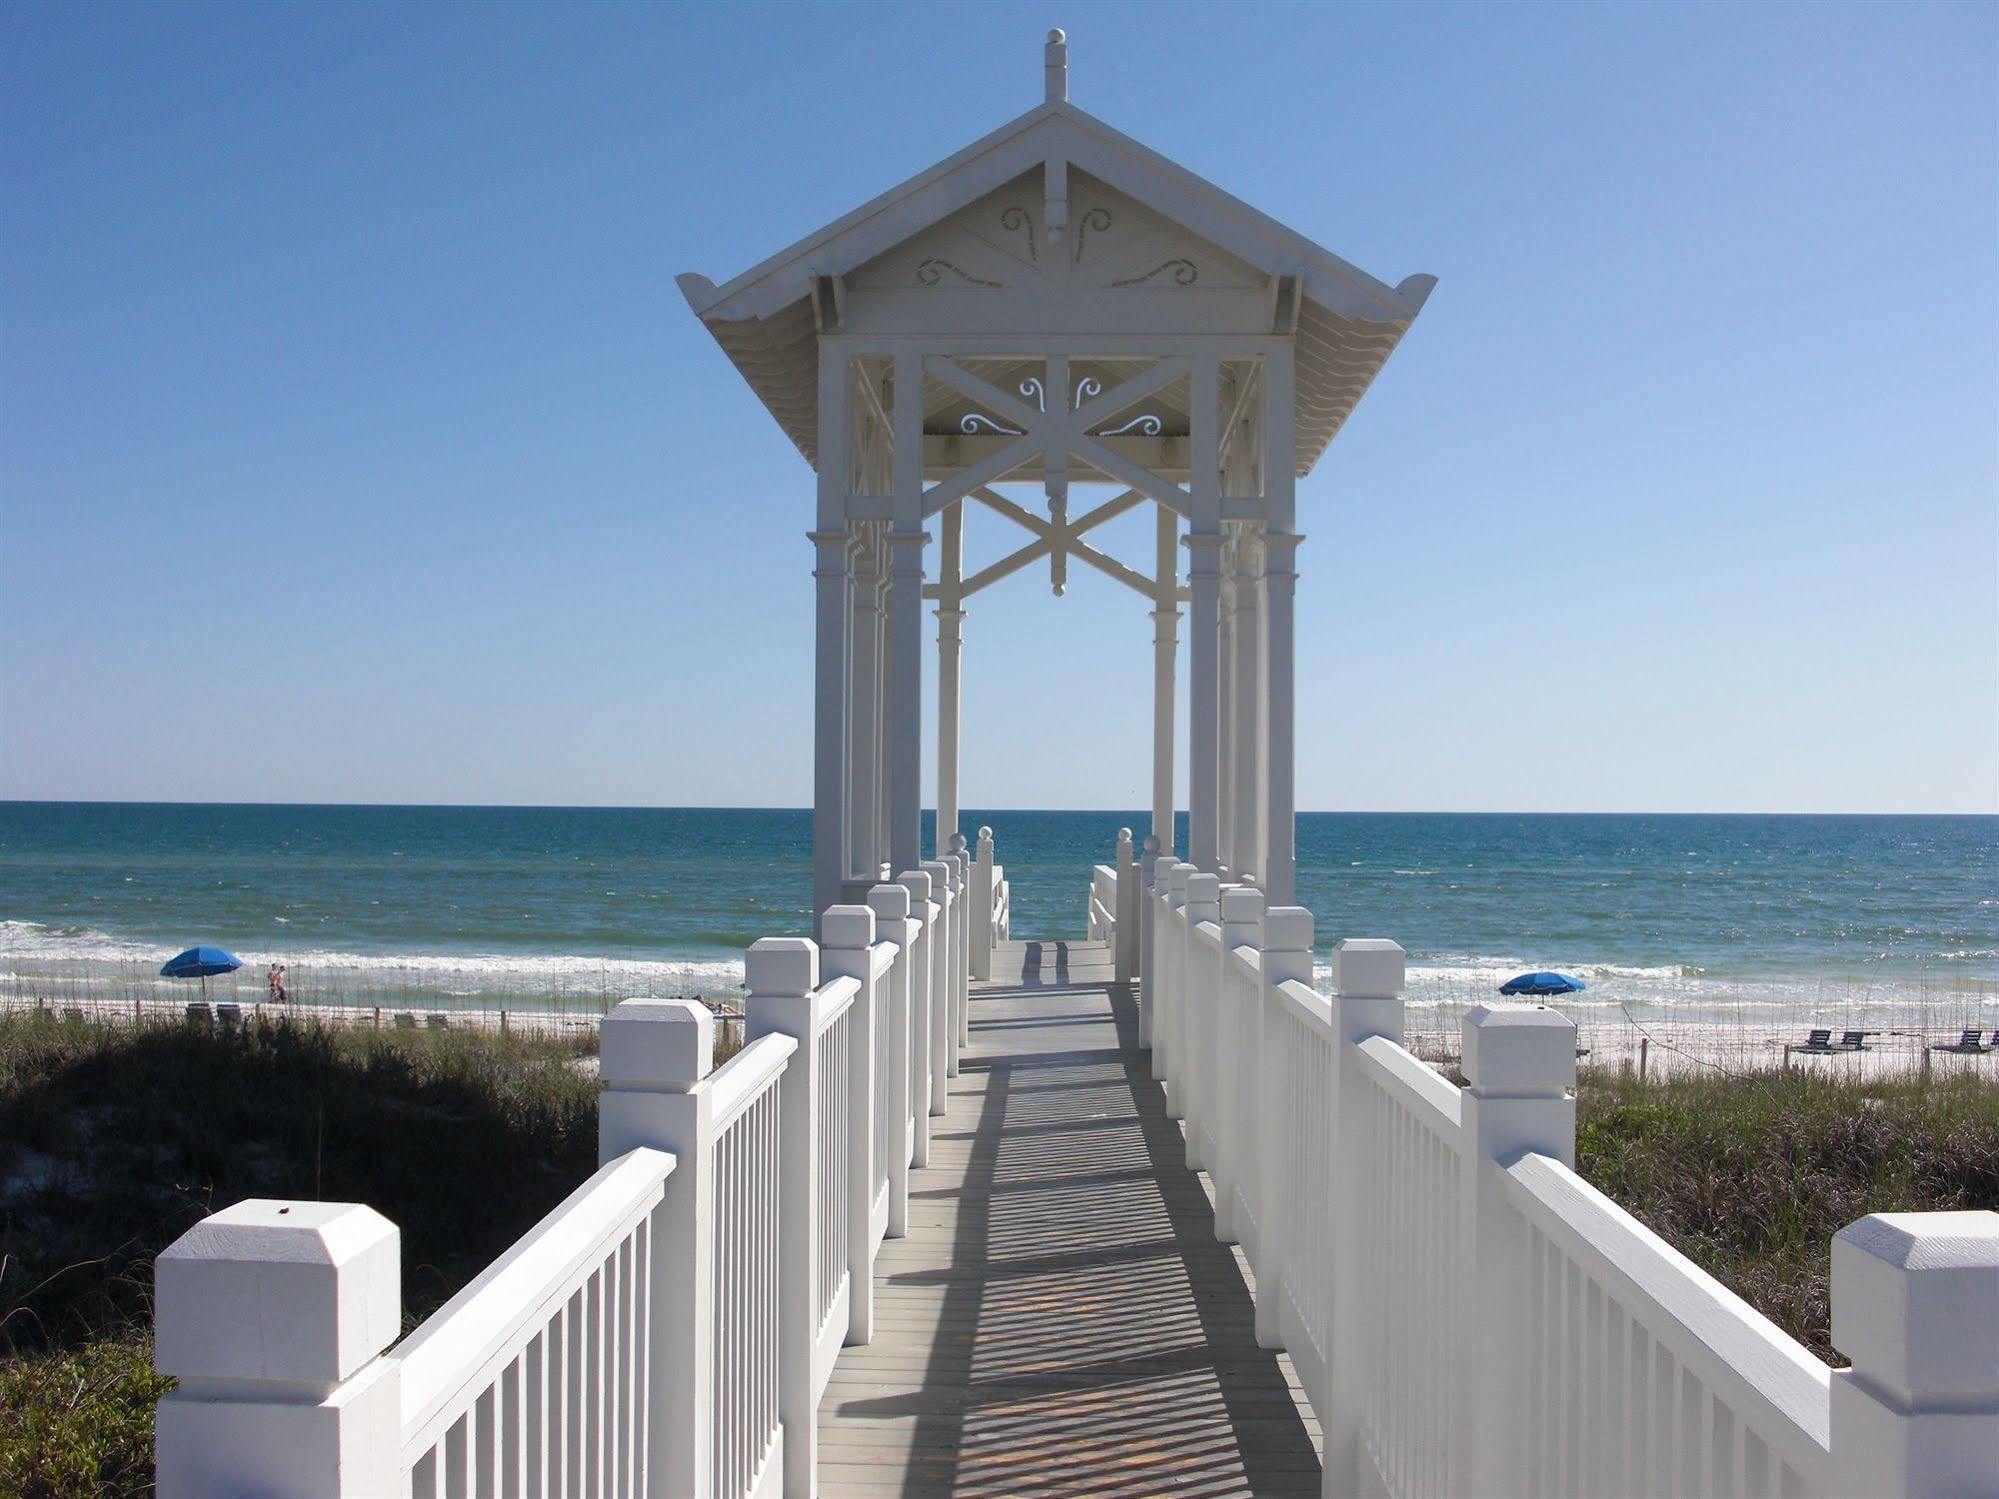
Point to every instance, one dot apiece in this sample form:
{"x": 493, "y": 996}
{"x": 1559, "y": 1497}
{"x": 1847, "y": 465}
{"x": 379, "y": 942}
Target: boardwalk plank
{"x": 1060, "y": 1319}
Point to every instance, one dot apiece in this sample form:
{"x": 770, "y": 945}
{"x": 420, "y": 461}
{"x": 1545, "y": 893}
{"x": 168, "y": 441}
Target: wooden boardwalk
{"x": 1060, "y": 1319}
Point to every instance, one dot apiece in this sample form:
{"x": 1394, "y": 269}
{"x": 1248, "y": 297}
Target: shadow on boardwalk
{"x": 1060, "y": 1319}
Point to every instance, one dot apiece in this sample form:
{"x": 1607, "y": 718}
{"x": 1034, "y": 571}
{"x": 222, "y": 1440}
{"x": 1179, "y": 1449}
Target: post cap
{"x": 957, "y": 843}
{"x": 782, "y": 967}
{"x": 299, "y": 1292}
{"x": 1369, "y": 968}
{"x": 917, "y": 883}
{"x": 889, "y": 902}
{"x": 1124, "y": 835}
{"x": 1151, "y": 844}
{"x": 1203, "y": 889}
{"x": 1287, "y": 929}
{"x": 1915, "y": 1304}
{"x": 846, "y": 927}
{"x": 1241, "y": 903}
{"x": 1177, "y": 877}
{"x": 657, "y": 1043}
{"x": 985, "y": 835}
{"x": 1528, "y": 1049}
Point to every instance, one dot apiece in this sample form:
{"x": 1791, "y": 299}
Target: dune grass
{"x": 1751, "y": 1176}
{"x": 113, "y": 1140}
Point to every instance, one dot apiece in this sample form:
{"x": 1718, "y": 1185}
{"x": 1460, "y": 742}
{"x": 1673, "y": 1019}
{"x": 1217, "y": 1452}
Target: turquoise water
{"x": 467, "y": 903}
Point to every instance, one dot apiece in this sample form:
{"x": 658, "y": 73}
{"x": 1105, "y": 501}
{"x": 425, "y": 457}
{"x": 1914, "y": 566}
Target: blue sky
{"x": 356, "y": 445}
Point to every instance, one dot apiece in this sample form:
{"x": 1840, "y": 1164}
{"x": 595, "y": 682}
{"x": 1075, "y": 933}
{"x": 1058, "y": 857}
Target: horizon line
{"x": 1141, "y": 813}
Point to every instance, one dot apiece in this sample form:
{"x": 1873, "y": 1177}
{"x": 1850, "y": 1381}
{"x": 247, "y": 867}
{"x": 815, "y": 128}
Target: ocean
{"x": 1696, "y": 916}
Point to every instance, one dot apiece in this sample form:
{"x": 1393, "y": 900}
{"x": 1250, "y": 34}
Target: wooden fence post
{"x": 1236, "y": 1032}
{"x": 1196, "y": 1050}
{"x": 1915, "y": 1306}
{"x": 653, "y": 1057}
{"x": 1367, "y": 1001}
{"x": 1169, "y": 1032}
{"x": 273, "y": 1317}
{"x": 1520, "y": 1073}
{"x": 983, "y": 935}
{"x": 1149, "y": 867}
{"x": 925, "y": 911}
{"x": 899, "y": 1071}
{"x": 950, "y": 905}
{"x": 1124, "y": 954}
{"x": 1285, "y": 943}
{"x": 782, "y": 976}
{"x": 846, "y": 950}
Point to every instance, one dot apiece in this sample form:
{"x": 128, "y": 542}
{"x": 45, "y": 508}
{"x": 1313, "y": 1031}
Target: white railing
{"x": 1465, "y": 1313}
{"x": 669, "y": 1329}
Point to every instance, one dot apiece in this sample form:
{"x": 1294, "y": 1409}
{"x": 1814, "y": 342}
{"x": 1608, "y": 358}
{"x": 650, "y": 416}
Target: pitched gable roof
{"x": 1347, "y": 326}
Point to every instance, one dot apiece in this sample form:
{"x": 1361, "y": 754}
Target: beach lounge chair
{"x": 231, "y": 1016}
{"x": 1967, "y": 1044}
{"x": 405, "y": 1021}
{"x": 1819, "y": 1040}
{"x": 199, "y": 1013}
{"x": 438, "y": 1022}
{"x": 1855, "y": 1040}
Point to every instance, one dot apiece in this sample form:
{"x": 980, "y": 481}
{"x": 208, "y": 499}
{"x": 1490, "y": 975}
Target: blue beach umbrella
{"x": 199, "y": 963}
{"x": 1542, "y": 983}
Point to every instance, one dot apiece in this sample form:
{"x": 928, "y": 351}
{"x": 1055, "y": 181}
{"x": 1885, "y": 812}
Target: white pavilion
{"x": 1056, "y": 308}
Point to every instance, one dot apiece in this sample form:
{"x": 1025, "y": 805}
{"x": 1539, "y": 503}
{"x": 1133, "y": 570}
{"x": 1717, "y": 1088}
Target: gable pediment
{"x": 993, "y": 266}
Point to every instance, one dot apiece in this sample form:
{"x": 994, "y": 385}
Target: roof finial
{"x": 1055, "y": 65}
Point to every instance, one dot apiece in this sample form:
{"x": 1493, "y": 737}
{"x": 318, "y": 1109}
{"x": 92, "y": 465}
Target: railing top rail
{"x": 1209, "y": 932}
{"x": 883, "y": 956}
{"x": 1773, "y": 1380}
{"x": 1247, "y": 958}
{"x": 735, "y": 1085}
{"x": 1425, "y": 1093}
{"x": 833, "y": 999}
{"x": 1306, "y": 1005}
{"x": 462, "y": 1344}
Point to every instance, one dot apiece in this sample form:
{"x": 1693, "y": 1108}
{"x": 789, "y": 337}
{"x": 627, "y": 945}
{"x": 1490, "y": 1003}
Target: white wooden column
{"x": 1280, "y": 581}
{"x": 831, "y": 574}
{"x": 950, "y": 647}
{"x": 1245, "y": 714}
{"x": 1204, "y": 546}
{"x": 1225, "y": 696}
{"x": 1165, "y": 646}
{"x": 906, "y": 619}
{"x": 864, "y": 712}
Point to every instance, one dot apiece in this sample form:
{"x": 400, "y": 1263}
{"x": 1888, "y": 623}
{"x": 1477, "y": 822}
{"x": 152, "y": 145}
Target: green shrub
{"x": 1750, "y": 1177}
{"x": 79, "y": 1422}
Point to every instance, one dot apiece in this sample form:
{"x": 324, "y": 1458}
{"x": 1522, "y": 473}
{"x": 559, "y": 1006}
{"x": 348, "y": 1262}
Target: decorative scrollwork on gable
{"x": 974, "y": 422}
{"x": 1185, "y": 273}
{"x": 1031, "y": 387}
{"x": 1086, "y": 387}
{"x": 1098, "y": 219}
{"x": 1145, "y": 425}
{"x": 931, "y": 273}
{"x": 1016, "y": 219}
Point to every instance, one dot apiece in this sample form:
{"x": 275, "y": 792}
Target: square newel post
{"x": 829, "y": 777}
{"x": 273, "y": 1316}
{"x": 1235, "y": 1061}
{"x": 982, "y": 906}
{"x": 1169, "y": 1052}
{"x": 1367, "y": 1001}
{"x": 1915, "y": 1306}
{"x": 936, "y": 1038}
{"x": 946, "y": 989}
{"x": 846, "y": 950}
{"x": 1284, "y": 941}
{"x": 1147, "y": 993}
{"x": 961, "y": 927}
{"x": 890, "y": 903}
{"x": 1125, "y": 960}
{"x": 782, "y": 977}
{"x": 1520, "y": 1074}
{"x": 655, "y": 1054}
{"x": 1204, "y": 903}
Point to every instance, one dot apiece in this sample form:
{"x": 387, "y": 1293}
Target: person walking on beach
{"x": 275, "y": 980}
